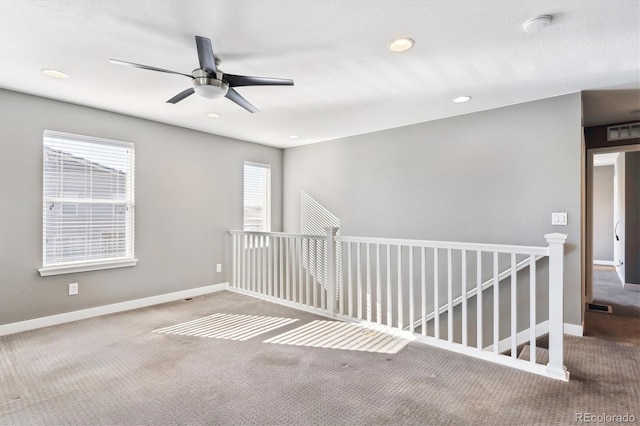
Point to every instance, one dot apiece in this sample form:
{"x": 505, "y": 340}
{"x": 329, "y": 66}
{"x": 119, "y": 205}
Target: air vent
{"x": 625, "y": 131}
{"x": 599, "y": 308}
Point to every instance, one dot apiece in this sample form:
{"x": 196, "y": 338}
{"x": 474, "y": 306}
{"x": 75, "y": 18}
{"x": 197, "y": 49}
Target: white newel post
{"x": 331, "y": 269}
{"x": 555, "y": 367}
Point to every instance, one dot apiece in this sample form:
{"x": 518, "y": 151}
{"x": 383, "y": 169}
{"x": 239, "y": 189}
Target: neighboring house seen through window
{"x": 88, "y": 203}
{"x": 257, "y": 197}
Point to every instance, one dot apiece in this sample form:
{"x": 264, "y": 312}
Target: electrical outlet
{"x": 219, "y": 267}
{"x": 73, "y": 289}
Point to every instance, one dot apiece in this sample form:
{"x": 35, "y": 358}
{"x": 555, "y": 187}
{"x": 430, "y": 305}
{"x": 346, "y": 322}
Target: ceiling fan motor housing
{"x": 207, "y": 86}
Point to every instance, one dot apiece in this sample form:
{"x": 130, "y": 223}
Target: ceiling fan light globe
{"x": 209, "y": 88}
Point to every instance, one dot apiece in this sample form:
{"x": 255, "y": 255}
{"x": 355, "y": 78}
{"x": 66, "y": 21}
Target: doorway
{"x": 612, "y": 308}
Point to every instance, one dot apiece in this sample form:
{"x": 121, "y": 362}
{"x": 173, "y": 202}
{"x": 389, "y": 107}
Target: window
{"x": 314, "y": 218}
{"x": 257, "y": 197}
{"x": 88, "y": 203}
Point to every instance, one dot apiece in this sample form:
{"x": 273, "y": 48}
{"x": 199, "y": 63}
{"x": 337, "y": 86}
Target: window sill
{"x": 84, "y": 267}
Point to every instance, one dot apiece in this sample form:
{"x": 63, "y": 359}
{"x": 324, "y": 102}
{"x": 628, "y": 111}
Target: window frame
{"x": 88, "y": 264}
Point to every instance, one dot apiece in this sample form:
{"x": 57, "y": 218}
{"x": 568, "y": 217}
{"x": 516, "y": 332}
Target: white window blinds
{"x": 88, "y": 200}
{"x": 314, "y": 218}
{"x": 257, "y": 197}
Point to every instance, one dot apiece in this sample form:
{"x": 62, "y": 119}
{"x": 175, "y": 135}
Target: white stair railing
{"x": 473, "y": 292}
{"x": 285, "y": 267}
{"x": 398, "y": 283}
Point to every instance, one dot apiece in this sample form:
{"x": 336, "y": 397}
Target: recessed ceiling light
{"x": 294, "y": 137}
{"x": 461, "y": 99}
{"x": 401, "y": 44}
{"x": 54, "y": 73}
{"x": 536, "y": 24}
{"x": 213, "y": 115}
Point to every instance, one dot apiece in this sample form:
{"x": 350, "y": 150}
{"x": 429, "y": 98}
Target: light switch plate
{"x": 558, "y": 219}
{"x": 219, "y": 267}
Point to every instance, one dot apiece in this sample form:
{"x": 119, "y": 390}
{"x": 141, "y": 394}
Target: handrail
{"x": 474, "y": 292}
{"x": 530, "y": 250}
{"x": 500, "y": 248}
{"x": 278, "y": 234}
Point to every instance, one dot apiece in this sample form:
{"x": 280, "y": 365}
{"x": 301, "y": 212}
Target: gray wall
{"x": 603, "y": 213}
{"x": 188, "y": 194}
{"x": 493, "y": 177}
{"x": 632, "y": 217}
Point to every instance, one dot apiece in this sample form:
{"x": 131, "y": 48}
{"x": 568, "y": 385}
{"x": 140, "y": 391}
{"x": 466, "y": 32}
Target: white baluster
{"x": 234, "y": 240}
{"x": 496, "y": 305}
{"x": 369, "y": 300}
{"x": 449, "y": 297}
{"x": 342, "y": 294}
{"x": 378, "y": 287}
{"x": 281, "y": 269}
{"x": 358, "y": 280}
{"x": 308, "y": 273}
{"x": 389, "y": 303}
{"x": 258, "y": 254}
{"x": 411, "y": 307}
{"x": 423, "y": 260}
{"x": 514, "y": 313}
{"x": 316, "y": 280}
{"x": 464, "y": 297}
{"x": 300, "y": 271}
{"x": 269, "y": 262}
{"x": 321, "y": 275}
{"x": 350, "y": 279}
{"x": 400, "y": 298}
{"x": 287, "y": 270}
{"x": 436, "y": 300}
{"x": 479, "y": 341}
{"x": 294, "y": 270}
{"x": 532, "y": 309}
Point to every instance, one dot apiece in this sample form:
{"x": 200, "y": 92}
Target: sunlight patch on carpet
{"x": 227, "y": 326}
{"x": 340, "y": 335}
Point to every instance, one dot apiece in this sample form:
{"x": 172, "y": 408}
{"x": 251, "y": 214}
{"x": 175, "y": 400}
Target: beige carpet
{"x": 112, "y": 370}
{"x": 227, "y": 326}
{"x": 340, "y": 335}
{"x": 623, "y": 323}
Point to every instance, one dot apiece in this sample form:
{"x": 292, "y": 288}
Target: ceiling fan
{"x": 210, "y": 82}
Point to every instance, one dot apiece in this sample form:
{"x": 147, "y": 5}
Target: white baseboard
{"x": 631, "y": 286}
{"x": 573, "y": 330}
{"x": 32, "y": 324}
{"x": 604, "y": 262}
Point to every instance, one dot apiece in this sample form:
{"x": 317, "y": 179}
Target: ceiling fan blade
{"x": 237, "y": 98}
{"x": 205, "y": 55}
{"x": 146, "y": 67}
{"x": 245, "y": 80}
{"x": 180, "y": 96}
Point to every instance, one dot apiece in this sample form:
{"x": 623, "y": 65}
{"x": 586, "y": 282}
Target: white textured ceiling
{"x": 347, "y": 81}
